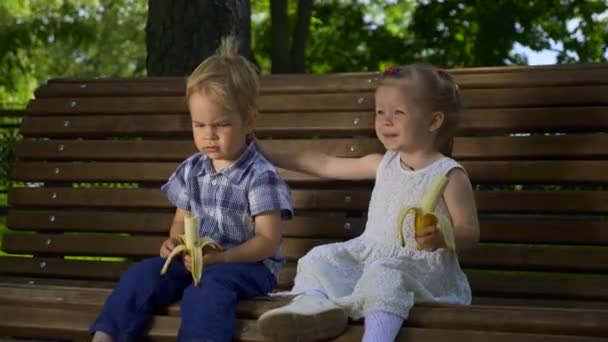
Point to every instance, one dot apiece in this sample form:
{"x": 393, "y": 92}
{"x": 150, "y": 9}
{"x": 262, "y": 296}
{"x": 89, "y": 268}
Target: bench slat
{"x": 276, "y": 124}
{"x": 473, "y": 121}
{"x": 478, "y": 98}
{"x": 487, "y": 201}
{"x": 62, "y": 268}
{"x": 575, "y": 146}
{"x": 162, "y": 105}
{"x": 501, "y": 256}
{"x": 491, "y": 318}
{"x": 158, "y": 222}
{"x": 176, "y": 150}
{"x": 542, "y": 230}
{"x": 254, "y": 305}
{"x": 73, "y": 324}
{"x": 506, "y": 283}
{"x": 479, "y": 172}
{"x": 319, "y": 83}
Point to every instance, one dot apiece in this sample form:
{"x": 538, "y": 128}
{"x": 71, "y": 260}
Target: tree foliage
{"x": 40, "y": 39}
{"x": 479, "y": 33}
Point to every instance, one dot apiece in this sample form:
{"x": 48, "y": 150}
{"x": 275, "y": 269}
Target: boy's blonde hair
{"x": 431, "y": 90}
{"x": 228, "y": 78}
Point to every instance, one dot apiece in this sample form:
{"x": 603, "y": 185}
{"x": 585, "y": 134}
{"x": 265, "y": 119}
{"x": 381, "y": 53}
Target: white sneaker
{"x": 305, "y": 318}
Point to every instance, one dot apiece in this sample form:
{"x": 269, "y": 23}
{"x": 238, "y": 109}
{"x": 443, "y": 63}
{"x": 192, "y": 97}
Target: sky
{"x": 535, "y": 57}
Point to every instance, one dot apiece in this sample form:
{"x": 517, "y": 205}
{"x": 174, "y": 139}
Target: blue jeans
{"x": 208, "y": 311}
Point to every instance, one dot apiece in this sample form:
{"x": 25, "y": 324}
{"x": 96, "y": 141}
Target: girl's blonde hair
{"x": 228, "y": 78}
{"x": 431, "y": 90}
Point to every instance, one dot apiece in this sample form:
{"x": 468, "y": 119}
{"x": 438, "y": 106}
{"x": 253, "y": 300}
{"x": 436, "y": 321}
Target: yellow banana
{"x": 193, "y": 244}
{"x": 425, "y": 216}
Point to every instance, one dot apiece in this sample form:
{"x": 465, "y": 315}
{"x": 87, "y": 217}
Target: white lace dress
{"x": 373, "y": 272}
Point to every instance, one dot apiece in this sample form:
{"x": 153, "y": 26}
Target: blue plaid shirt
{"x": 227, "y": 201}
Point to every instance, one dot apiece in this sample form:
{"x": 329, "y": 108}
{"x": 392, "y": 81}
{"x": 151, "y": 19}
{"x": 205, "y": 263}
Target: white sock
{"x": 381, "y": 326}
{"x": 316, "y": 293}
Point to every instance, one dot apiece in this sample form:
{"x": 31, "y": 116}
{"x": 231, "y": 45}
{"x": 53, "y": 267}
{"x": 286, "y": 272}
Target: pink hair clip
{"x": 392, "y": 70}
{"x": 446, "y": 73}
{"x": 443, "y": 72}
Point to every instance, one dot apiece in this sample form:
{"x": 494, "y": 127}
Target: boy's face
{"x": 218, "y": 134}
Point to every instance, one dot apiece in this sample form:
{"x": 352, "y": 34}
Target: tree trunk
{"x": 280, "y": 37}
{"x": 182, "y": 33}
{"x": 300, "y": 36}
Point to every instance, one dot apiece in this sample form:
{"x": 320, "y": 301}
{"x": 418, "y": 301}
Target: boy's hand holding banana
{"x": 194, "y": 246}
{"x": 432, "y": 230}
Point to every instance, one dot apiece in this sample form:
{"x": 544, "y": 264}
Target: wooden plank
{"x": 17, "y": 281}
{"x": 68, "y": 324}
{"x": 356, "y": 199}
{"x": 574, "y": 146}
{"x": 83, "y": 245}
{"x": 539, "y": 303}
{"x": 62, "y": 268}
{"x": 514, "y": 230}
{"x": 473, "y": 121}
{"x": 547, "y": 172}
{"x": 359, "y": 101}
{"x": 571, "y": 146}
{"x": 117, "y": 246}
{"x": 160, "y": 105}
{"x": 73, "y": 324}
{"x": 513, "y": 284}
{"x": 87, "y": 292}
{"x": 487, "y": 256}
{"x": 554, "y": 119}
{"x": 541, "y": 201}
{"x": 176, "y": 150}
{"x": 159, "y": 222}
{"x": 536, "y": 257}
{"x": 544, "y": 230}
{"x": 274, "y": 124}
{"x": 579, "y": 321}
{"x": 322, "y": 83}
{"x": 538, "y": 285}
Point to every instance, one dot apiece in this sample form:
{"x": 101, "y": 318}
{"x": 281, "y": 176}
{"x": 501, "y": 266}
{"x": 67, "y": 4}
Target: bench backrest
{"x": 533, "y": 139}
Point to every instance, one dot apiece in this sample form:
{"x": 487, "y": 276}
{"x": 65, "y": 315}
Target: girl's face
{"x": 399, "y": 126}
{"x": 219, "y": 135}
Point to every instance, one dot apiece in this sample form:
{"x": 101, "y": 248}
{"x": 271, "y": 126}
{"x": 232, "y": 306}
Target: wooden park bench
{"x": 534, "y": 140}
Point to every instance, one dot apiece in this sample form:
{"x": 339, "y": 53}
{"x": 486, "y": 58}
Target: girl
{"x": 374, "y": 276}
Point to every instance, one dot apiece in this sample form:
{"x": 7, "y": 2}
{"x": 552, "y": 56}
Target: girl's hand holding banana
{"x": 433, "y": 229}
{"x": 430, "y": 239}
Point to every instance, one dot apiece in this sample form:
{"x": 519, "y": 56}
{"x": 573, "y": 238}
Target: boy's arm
{"x": 263, "y": 245}
{"x": 177, "y": 229}
{"x": 460, "y": 201}
{"x": 326, "y": 166}
{"x": 177, "y": 226}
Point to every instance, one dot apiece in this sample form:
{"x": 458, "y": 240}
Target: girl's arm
{"x": 460, "y": 201}
{"x": 325, "y": 166}
{"x": 263, "y": 245}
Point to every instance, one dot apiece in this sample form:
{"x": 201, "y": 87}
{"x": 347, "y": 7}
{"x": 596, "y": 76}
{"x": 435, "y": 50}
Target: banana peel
{"x": 425, "y": 216}
{"x": 194, "y": 245}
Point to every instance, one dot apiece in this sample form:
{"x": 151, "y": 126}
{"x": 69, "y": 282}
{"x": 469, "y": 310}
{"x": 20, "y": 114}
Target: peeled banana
{"x": 425, "y": 216}
{"x": 193, "y": 244}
